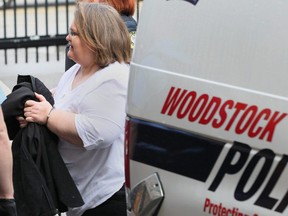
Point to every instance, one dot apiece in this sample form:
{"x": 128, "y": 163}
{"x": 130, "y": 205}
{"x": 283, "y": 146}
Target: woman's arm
{"x": 63, "y": 125}
{"x": 6, "y": 183}
{"x": 60, "y": 122}
{"x": 100, "y": 122}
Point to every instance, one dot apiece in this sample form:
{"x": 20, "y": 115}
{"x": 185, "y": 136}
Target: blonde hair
{"x": 104, "y": 32}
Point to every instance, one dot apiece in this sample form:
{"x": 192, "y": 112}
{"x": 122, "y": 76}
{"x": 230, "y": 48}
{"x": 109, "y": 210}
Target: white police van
{"x": 207, "y": 110}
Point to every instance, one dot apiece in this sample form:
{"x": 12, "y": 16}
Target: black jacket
{"x": 42, "y": 183}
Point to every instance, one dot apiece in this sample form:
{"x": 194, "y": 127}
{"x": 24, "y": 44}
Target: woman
{"x": 126, "y": 8}
{"x": 89, "y": 111}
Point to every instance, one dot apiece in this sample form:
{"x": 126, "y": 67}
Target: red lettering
{"x": 239, "y": 107}
{"x": 191, "y": 96}
{"x": 228, "y": 114}
{"x": 250, "y": 111}
{"x": 212, "y": 107}
{"x": 253, "y": 132}
{"x": 223, "y": 114}
{"x": 270, "y": 127}
{"x": 207, "y": 204}
{"x": 217, "y": 209}
{"x": 197, "y": 109}
{"x": 172, "y": 100}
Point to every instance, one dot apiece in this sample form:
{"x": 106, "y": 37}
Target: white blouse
{"x": 99, "y": 104}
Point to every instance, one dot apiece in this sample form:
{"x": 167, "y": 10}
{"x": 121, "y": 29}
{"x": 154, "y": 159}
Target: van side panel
{"x": 208, "y": 99}
{"x": 240, "y": 43}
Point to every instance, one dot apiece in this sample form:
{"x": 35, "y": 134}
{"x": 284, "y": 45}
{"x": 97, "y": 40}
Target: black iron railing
{"x": 34, "y": 23}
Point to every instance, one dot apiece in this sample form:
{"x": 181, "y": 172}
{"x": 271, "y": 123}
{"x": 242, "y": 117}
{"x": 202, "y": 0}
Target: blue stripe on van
{"x": 173, "y": 150}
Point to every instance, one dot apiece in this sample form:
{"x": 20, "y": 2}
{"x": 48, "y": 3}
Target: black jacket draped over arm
{"x": 42, "y": 183}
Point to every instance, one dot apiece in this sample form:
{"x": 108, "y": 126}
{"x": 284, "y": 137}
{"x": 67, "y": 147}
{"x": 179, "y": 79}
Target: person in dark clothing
{"x": 41, "y": 181}
{"x": 126, "y": 8}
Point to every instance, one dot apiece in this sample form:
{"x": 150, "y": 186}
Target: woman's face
{"x": 78, "y": 50}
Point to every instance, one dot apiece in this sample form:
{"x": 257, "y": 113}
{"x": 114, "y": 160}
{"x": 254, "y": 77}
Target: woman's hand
{"x": 35, "y": 111}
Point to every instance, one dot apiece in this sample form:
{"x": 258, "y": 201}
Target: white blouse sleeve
{"x": 101, "y": 119}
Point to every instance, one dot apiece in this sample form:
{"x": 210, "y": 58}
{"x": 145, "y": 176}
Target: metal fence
{"x": 33, "y": 24}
